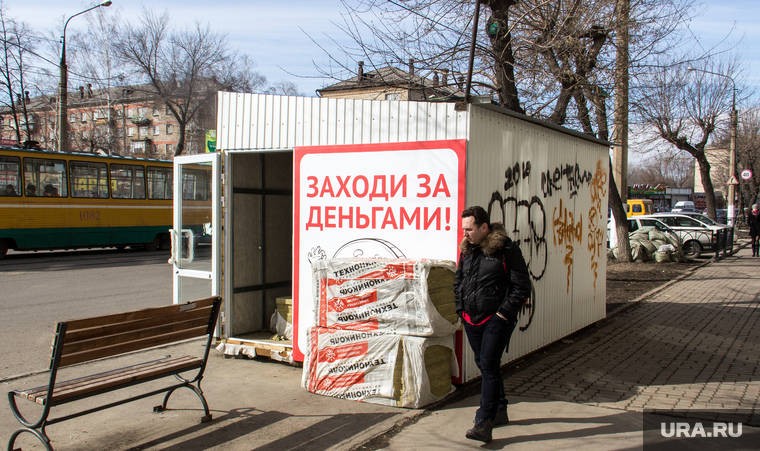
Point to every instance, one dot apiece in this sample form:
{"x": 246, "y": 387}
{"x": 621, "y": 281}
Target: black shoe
{"x": 502, "y": 419}
{"x": 481, "y": 431}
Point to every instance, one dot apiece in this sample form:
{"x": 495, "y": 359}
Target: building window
{"x": 156, "y": 112}
{"x": 156, "y": 130}
{"x": 130, "y": 112}
{"x": 169, "y": 149}
{"x": 169, "y": 129}
{"x": 168, "y": 110}
{"x": 143, "y": 112}
{"x": 130, "y": 131}
{"x": 95, "y": 115}
{"x": 84, "y": 117}
{"x": 138, "y": 146}
{"x": 72, "y": 118}
{"x": 393, "y": 96}
{"x": 143, "y": 131}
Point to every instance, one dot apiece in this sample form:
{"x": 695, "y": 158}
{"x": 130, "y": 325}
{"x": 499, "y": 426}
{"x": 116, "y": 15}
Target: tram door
{"x": 197, "y": 225}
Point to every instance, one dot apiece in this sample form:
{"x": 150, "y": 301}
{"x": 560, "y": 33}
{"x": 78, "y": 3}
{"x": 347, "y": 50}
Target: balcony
{"x": 140, "y": 120}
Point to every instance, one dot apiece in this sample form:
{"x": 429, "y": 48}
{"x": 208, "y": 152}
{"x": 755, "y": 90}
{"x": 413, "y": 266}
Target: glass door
{"x": 197, "y": 226}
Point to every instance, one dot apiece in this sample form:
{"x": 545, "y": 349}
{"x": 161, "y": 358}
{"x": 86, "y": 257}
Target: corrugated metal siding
{"x": 257, "y": 121}
{"x": 508, "y": 162}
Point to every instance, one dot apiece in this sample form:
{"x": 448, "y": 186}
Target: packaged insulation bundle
{"x": 406, "y": 297}
{"x": 377, "y": 367}
{"x": 281, "y": 322}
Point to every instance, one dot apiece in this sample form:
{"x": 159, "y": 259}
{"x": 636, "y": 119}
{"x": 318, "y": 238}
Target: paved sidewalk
{"x": 692, "y": 345}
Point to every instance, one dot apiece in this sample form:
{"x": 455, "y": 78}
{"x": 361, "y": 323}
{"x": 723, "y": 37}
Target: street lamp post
{"x": 732, "y": 182}
{"x": 63, "y": 96}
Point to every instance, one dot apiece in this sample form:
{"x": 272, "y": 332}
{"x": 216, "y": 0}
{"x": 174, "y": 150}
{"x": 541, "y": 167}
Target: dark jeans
{"x": 488, "y": 342}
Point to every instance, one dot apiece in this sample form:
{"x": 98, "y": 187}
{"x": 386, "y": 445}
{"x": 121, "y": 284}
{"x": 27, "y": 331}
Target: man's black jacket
{"x": 491, "y": 277}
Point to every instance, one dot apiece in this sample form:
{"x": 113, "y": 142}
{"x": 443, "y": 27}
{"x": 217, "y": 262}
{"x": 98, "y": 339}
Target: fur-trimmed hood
{"x": 492, "y": 243}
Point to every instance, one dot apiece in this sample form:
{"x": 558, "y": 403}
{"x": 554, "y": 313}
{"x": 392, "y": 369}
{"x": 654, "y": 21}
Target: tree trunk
{"x": 504, "y": 58}
{"x": 181, "y": 141}
{"x": 621, "y": 99}
{"x": 621, "y": 221}
{"x": 704, "y": 173}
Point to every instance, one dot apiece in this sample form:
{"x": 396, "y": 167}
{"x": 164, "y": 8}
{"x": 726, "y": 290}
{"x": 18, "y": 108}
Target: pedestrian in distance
{"x": 753, "y": 220}
{"x": 492, "y": 284}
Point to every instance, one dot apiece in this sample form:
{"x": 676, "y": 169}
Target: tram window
{"x": 195, "y": 185}
{"x": 160, "y": 184}
{"x": 45, "y": 177}
{"x": 10, "y": 176}
{"x": 127, "y": 181}
{"x": 89, "y": 179}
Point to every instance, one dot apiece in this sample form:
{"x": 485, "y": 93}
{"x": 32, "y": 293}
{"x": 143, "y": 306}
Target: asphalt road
{"x": 39, "y": 289}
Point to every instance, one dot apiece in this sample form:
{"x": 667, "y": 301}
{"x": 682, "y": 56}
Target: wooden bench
{"x": 88, "y": 339}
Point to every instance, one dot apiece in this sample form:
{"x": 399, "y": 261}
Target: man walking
{"x": 492, "y": 284}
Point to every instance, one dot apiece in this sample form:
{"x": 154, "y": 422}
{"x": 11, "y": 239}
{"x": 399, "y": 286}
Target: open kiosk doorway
{"x": 258, "y": 246}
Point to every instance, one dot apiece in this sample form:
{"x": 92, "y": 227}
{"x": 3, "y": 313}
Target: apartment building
{"x": 128, "y": 121}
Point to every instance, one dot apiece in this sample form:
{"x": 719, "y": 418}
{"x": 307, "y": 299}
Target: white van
{"x": 684, "y": 205}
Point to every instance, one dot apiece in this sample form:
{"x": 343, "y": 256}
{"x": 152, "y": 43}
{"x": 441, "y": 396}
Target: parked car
{"x": 639, "y": 207}
{"x": 684, "y": 205}
{"x": 721, "y": 214}
{"x": 696, "y": 236}
{"x": 634, "y": 224}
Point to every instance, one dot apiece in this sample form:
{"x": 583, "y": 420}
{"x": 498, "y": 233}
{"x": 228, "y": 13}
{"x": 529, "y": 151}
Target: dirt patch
{"x": 627, "y": 281}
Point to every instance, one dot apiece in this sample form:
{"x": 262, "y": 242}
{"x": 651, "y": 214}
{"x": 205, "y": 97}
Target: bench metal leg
{"x": 197, "y": 389}
{"x": 40, "y": 434}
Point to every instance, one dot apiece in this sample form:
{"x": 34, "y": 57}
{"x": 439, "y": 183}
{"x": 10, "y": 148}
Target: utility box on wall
{"x": 393, "y": 176}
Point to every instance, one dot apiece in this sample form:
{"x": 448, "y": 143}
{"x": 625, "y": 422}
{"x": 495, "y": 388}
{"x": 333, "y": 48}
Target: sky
{"x": 279, "y": 36}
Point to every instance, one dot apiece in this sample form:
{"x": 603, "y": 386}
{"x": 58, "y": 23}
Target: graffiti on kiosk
{"x": 551, "y": 181}
{"x": 596, "y": 234}
{"x": 533, "y": 210}
{"x": 526, "y": 217}
{"x": 568, "y": 230}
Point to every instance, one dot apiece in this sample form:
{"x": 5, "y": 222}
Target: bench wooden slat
{"x": 73, "y": 383}
{"x": 132, "y": 335}
{"x": 136, "y": 345}
{"x": 89, "y": 384}
{"x": 38, "y": 394}
{"x": 115, "y": 328}
{"x": 121, "y": 379}
{"x": 85, "y": 323}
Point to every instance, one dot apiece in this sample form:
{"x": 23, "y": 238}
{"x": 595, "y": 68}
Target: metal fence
{"x": 724, "y": 242}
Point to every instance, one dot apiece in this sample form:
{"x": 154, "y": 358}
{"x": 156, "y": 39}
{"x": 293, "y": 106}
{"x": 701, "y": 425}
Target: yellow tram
{"x": 55, "y": 200}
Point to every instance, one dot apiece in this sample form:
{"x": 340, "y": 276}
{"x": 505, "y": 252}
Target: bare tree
{"x": 669, "y": 167}
{"x": 685, "y": 108}
{"x": 17, "y": 42}
{"x": 747, "y": 153}
{"x": 282, "y": 87}
{"x": 185, "y": 68}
